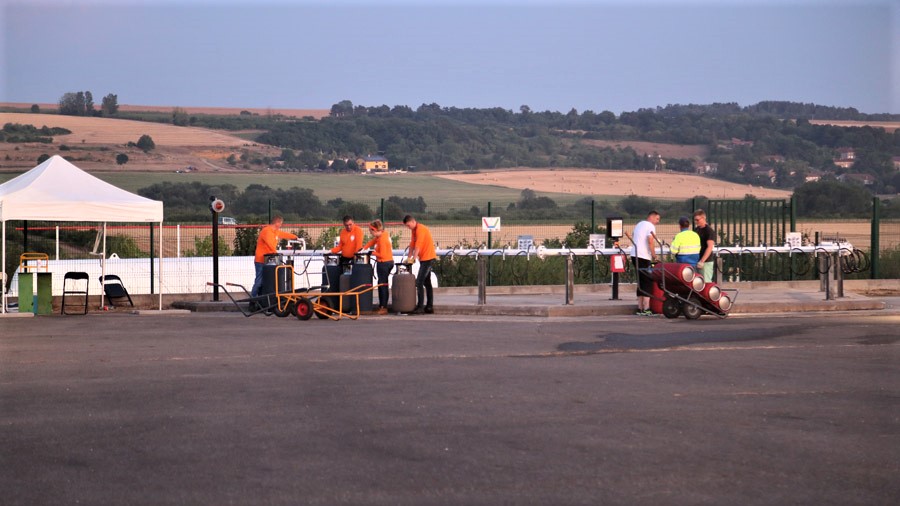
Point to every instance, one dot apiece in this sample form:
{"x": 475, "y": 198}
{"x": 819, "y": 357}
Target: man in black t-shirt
{"x": 707, "y": 243}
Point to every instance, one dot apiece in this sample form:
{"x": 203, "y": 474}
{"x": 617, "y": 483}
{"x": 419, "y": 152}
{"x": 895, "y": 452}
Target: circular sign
{"x": 217, "y": 205}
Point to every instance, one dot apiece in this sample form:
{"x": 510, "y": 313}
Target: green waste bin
{"x": 44, "y": 293}
{"x": 40, "y": 302}
{"x": 26, "y": 292}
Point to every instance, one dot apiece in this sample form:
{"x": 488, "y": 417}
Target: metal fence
{"x": 187, "y": 248}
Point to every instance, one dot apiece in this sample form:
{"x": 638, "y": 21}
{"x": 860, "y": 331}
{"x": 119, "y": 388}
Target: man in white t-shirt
{"x": 643, "y": 254}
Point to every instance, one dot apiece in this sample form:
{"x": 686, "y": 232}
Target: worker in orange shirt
{"x": 384, "y": 261}
{"x": 421, "y": 246}
{"x": 351, "y": 241}
{"x": 267, "y": 244}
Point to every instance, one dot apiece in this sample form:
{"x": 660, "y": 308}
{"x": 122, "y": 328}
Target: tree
{"x": 180, "y": 117}
{"x": 832, "y": 198}
{"x": 121, "y": 159}
{"x": 358, "y": 210}
{"x": 88, "y": 104}
{"x": 342, "y": 108}
{"x": 109, "y": 105}
{"x": 72, "y": 104}
{"x": 77, "y": 104}
{"x": 145, "y": 143}
{"x": 35, "y": 108}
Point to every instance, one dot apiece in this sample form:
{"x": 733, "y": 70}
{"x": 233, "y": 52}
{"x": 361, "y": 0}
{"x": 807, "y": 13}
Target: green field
{"x": 352, "y": 187}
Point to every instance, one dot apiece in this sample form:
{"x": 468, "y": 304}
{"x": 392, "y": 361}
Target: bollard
{"x": 482, "y": 281}
{"x": 570, "y": 280}
{"x": 838, "y": 275}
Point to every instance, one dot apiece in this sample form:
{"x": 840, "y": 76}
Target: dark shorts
{"x": 645, "y": 282}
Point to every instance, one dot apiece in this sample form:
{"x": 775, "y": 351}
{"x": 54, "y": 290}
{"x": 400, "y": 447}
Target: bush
{"x": 145, "y": 143}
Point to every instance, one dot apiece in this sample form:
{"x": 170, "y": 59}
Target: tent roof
{"x": 56, "y": 190}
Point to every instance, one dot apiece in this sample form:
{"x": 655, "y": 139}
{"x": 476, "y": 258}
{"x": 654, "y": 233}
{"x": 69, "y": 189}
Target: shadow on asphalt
{"x": 622, "y": 342}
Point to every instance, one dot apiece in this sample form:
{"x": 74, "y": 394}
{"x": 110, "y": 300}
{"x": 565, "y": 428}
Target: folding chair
{"x": 73, "y": 289}
{"x": 114, "y": 289}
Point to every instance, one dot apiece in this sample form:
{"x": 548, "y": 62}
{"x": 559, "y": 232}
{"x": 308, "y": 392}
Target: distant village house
{"x": 370, "y": 163}
{"x": 846, "y": 158}
{"x": 706, "y": 167}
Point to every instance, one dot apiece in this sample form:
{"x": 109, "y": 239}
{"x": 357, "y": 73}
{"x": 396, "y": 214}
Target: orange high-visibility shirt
{"x": 350, "y": 241}
{"x": 267, "y": 242}
{"x": 422, "y": 242}
{"x": 384, "y": 250}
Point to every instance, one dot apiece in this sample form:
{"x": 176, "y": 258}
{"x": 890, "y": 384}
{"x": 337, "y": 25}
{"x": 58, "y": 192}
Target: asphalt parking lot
{"x": 215, "y": 408}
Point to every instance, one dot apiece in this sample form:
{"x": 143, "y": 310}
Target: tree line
{"x": 432, "y": 137}
{"x": 447, "y": 138}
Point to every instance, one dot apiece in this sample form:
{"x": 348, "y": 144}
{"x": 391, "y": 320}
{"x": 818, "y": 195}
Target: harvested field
{"x": 653, "y": 148}
{"x": 294, "y": 113}
{"x": 95, "y": 142}
{"x": 119, "y": 131}
{"x": 618, "y": 183}
{"x": 888, "y": 126}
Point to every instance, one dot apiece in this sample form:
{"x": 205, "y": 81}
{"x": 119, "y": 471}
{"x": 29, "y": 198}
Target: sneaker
{"x": 639, "y": 312}
{"x": 429, "y": 310}
{"x": 647, "y": 312}
{"x": 381, "y": 310}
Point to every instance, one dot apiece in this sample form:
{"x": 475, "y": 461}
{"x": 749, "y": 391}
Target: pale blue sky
{"x": 549, "y": 55}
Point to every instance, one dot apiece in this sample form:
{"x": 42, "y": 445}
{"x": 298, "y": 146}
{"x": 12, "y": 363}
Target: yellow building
{"x": 373, "y": 163}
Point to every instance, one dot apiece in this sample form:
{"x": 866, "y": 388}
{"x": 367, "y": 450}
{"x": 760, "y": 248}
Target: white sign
{"x": 490, "y": 224}
{"x": 793, "y": 240}
{"x": 598, "y": 241}
{"x": 526, "y": 242}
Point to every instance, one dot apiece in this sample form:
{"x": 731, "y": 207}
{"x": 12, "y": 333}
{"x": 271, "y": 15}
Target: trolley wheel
{"x": 281, "y": 313}
{"x": 691, "y": 309}
{"x": 303, "y": 309}
{"x": 323, "y": 302}
{"x": 671, "y": 308}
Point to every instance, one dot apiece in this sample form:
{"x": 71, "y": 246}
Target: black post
{"x": 615, "y": 286}
{"x": 215, "y": 251}
{"x": 876, "y": 240}
{"x": 151, "y": 258}
{"x": 25, "y": 236}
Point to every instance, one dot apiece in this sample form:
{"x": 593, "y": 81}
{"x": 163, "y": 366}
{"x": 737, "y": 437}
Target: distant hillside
{"x": 224, "y": 111}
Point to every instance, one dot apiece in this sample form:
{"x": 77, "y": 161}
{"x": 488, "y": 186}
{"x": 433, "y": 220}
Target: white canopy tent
{"x": 57, "y": 190}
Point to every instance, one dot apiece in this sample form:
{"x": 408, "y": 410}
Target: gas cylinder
{"x": 403, "y": 290}
{"x": 345, "y": 283}
{"x": 361, "y": 276}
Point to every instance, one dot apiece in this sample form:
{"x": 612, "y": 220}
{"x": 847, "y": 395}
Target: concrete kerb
{"x": 596, "y": 300}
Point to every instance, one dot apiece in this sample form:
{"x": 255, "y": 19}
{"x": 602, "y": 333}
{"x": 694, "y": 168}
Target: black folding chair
{"x": 114, "y": 289}
{"x": 71, "y": 282}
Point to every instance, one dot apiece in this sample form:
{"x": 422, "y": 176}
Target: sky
{"x": 598, "y": 55}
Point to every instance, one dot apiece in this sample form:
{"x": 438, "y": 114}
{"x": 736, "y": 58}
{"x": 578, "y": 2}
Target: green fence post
{"x": 876, "y": 231}
{"x": 793, "y": 213}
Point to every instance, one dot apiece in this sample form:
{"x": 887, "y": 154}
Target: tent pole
{"x": 159, "y": 271}
{"x": 103, "y": 268}
{"x": 3, "y": 303}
